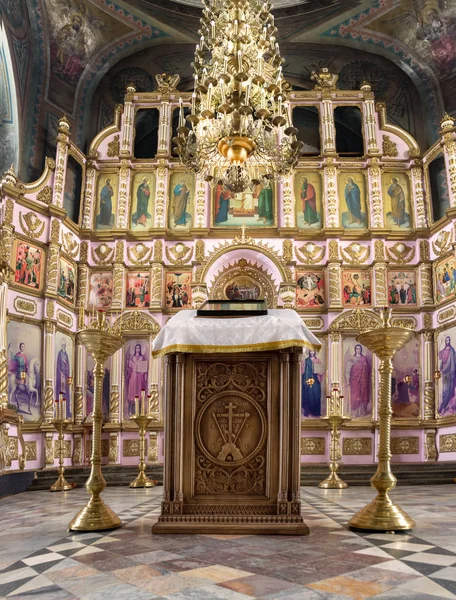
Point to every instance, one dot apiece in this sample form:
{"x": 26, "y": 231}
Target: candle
{"x": 181, "y": 113}
{"x": 148, "y": 405}
{"x": 56, "y": 409}
{"x": 143, "y": 402}
{"x": 136, "y": 405}
{"x": 64, "y": 409}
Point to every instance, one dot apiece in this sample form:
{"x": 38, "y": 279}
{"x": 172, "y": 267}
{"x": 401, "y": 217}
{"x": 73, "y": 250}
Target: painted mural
{"x": 252, "y": 208}
{"x": 25, "y": 360}
{"x": 181, "y": 201}
{"x": 64, "y": 357}
{"x": 396, "y": 201}
{"x": 138, "y": 290}
{"x": 352, "y": 201}
{"x": 310, "y": 289}
{"x": 107, "y": 189}
{"x": 405, "y": 383}
{"x": 28, "y": 265}
{"x": 106, "y": 389}
{"x": 356, "y": 287}
{"x": 445, "y": 279}
{"x": 313, "y": 374}
{"x": 142, "y": 201}
{"x": 9, "y": 148}
{"x": 67, "y": 281}
{"x": 242, "y": 288}
{"x": 100, "y": 294}
{"x": 446, "y": 364}
{"x": 402, "y": 288}
{"x": 308, "y": 193}
{"x": 357, "y": 379}
{"x": 178, "y": 291}
{"x": 136, "y": 370}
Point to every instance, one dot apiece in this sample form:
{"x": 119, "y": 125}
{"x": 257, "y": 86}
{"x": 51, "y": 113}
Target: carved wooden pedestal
{"x": 232, "y": 434}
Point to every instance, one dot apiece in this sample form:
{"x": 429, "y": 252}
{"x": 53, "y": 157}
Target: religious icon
{"x": 310, "y": 289}
{"x": 90, "y": 387}
{"x": 396, "y": 201}
{"x": 24, "y": 369}
{"x": 106, "y": 193}
{"x": 352, "y": 201}
{"x": 402, "y": 288}
{"x": 251, "y": 208}
{"x": 136, "y": 353}
{"x": 313, "y": 393}
{"x": 446, "y": 364}
{"x": 181, "y": 197}
{"x": 445, "y": 279}
{"x": 100, "y": 295}
{"x": 405, "y": 381}
{"x": 63, "y": 369}
{"x": 308, "y": 200}
{"x": 178, "y": 291}
{"x": 142, "y": 201}
{"x": 356, "y": 287}
{"x": 138, "y": 290}
{"x": 28, "y": 265}
{"x": 67, "y": 281}
{"x": 357, "y": 381}
{"x": 242, "y": 288}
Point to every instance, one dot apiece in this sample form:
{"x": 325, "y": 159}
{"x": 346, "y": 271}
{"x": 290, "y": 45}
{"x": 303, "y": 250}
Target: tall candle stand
{"x": 101, "y": 342}
{"x": 335, "y": 420}
{"x": 60, "y": 422}
{"x": 382, "y": 514}
{"x": 142, "y": 418}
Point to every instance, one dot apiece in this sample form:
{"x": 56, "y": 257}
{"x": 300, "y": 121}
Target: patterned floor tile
{"x": 347, "y": 586}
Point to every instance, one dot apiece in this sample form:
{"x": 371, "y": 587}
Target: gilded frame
{"x": 38, "y": 245}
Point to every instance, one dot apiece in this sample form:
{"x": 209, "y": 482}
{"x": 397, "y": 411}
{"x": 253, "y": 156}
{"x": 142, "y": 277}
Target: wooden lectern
{"x": 232, "y": 435}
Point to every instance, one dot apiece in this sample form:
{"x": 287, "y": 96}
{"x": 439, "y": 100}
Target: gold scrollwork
{"x": 139, "y": 255}
{"x": 400, "y": 253}
{"x": 27, "y": 307}
{"x": 441, "y": 243}
{"x": 31, "y": 225}
{"x": 312, "y": 445}
{"x": 355, "y": 254}
{"x": 389, "y": 147}
{"x": 356, "y": 320}
{"x": 70, "y": 244}
{"x": 179, "y": 254}
{"x": 102, "y": 254}
{"x": 447, "y": 442}
{"x": 405, "y": 445}
{"x": 310, "y": 253}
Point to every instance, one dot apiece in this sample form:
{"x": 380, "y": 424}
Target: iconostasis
{"x": 366, "y": 221}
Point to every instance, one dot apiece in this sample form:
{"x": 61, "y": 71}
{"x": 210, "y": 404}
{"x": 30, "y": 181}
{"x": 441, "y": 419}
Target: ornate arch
{"x": 242, "y": 271}
{"x": 356, "y": 320}
{"x": 244, "y": 243}
{"x": 137, "y": 322}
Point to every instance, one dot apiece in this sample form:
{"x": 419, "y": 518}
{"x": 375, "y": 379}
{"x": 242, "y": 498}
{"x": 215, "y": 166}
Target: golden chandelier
{"x": 239, "y": 131}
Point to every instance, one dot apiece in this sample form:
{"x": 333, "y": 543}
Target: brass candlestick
{"x": 333, "y": 481}
{"x": 61, "y": 485}
{"x": 101, "y": 342}
{"x": 382, "y": 514}
{"x": 141, "y": 481}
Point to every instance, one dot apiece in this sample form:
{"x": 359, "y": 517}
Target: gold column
{"x": 200, "y": 205}
{"x": 375, "y": 186}
{"x": 101, "y": 342}
{"x": 89, "y": 196}
{"x": 425, "y": 272}
{"x": 429, "y": 409}
{"x": 164, "y": 131}
{"x": 334, "y": 276}
{"x": 417, "y": 179}
{"x": 382, "y": 514}
{"x": 114, "y": 400}
{"x": 330, "y": 172}
{"x": 79, "y": 384}
{"x": 161, "y": 217}
{"x": 5, "y": 276}
{"x": 49, "y": 329}
{"x": 288, "y": 212}
{"x": 61, "y": 157}
{"x": 128, "y": 116}
{"x": 370, "y": 122}
{"x": 122, "y": 203}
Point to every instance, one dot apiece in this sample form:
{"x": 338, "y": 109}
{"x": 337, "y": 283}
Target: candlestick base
{"x": 95, "y": 516}
{"x": 61, "y": 485}
{"x": 333, "y": 481}
{"x": 142, "y": 481}
{"x": 382, "y": 515}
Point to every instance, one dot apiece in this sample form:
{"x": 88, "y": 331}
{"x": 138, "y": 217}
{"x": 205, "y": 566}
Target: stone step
{"x": 311, "y": 474}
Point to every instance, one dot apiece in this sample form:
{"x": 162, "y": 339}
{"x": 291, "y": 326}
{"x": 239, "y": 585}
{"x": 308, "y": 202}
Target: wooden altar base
{"x": 232, "y": 444}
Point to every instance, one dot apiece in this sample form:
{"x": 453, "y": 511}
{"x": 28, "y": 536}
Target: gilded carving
{"x": 120, "y": 250}
{"x": 359, "y": 446}
{"x": 310, "y": 253}
{"x": 158, "y": 251}
{"x": 70, "y": 244}
{"x": 139, "y": 255}
{"x": 137, "y": 322}
{"x": 334, "y": 286}
{"x": 131, "y": 448}
{"x": 356, "y": 320}
{"x": 400, "y": 254}
{"x": 84, "y": 255}
{"x": 66, "y": 449}
{"x": 64, "y": 318}
{"x": 153, "y": 448}
{"x": 13, "y": 449}
{"x": 287, "y": 250}
{"x": 31, "y": 225}
{"x": 333, "y": 250}
{"x": 45, "y": 195}
{"x": 389, "y": 147}
{"x": 157, "y": 285}
{"x": 430, "y": 445}
{"x": 113, "y": 448}
{"x": 102, "y": 254}
{"x": 380, "y": 272}
{"x": 312, "y": 445}
{"x": 355, "y": 254}
{"x": 9, "y": 211}
{"x": 27, "y": 307}
{"x": 54, "y": 236}
{"x": 427, "y": 321}
{"x": 315, "y": 323}
{"x": 442, "y": 243}
{"x": 77, "y": 450}
{"x": 166, "y": 83}
{"x": 446, "y": 315}
{"x": 425, "y": 253}
{"x": 405, "y": 445}
{"x": 49, "y": 449}
{"x": 52, "y": 268}
{"x": 427, "y": 297}
{"x": 447, "y": 442}
{"x": 179, "y": 254}
{"x": 379, "y": 250}
{"x": 30, "y": 451}
{"x": 114, "y": 147}
{"x": 200, "y": 251}
{"x": 407, "y": 323}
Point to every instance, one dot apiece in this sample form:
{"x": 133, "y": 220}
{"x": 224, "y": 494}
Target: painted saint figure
{"x": 180, "y": 200}
{"x": 447, "y": 368}
{"x": 397, "y": 196}
{"x": 312, "y": 377}
{"x": 353, "y": 199}
{"x": 309, "y": 202}
{"x": 63, "y": 371}
{"x": 136, "y": 376}
{"x": 222, "y": 204}
{"x": 358, "y": 378}
{"x": 143, "y": 196}
{"x": 105, "y": 218}
{"x": 265, "y": 205}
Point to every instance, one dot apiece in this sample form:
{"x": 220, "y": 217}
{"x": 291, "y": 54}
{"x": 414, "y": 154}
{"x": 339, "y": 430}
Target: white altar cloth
{"x": 186, "y": 332}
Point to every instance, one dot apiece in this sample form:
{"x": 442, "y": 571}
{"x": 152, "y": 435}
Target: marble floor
{"x": 40, "y": 559}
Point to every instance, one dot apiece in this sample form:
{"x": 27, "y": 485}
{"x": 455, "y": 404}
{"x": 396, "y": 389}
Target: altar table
{"x": 233, "y": 423}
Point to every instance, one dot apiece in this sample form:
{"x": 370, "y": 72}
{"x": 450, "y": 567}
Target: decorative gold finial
{"x": 365, "y": 86}
{"x": 324, "y": 79}
{"x": 447, "y": 122}
{"x": 9, "y": 177}
{"x": 166, "y": 82}
{"x": 64, "y": 125}
{"x": 385, "y": 315}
